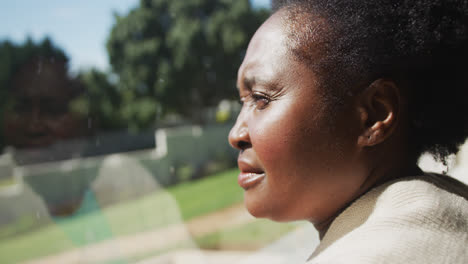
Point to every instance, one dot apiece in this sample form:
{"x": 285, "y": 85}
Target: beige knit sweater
{"x": 412, "y": 220}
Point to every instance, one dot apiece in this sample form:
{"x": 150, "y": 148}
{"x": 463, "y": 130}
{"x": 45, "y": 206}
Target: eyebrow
{"x": 249, "y": 81}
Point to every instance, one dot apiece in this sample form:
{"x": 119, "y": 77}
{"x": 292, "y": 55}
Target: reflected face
{"x": 38, "y": 113}
{"x": 296, "y": 161}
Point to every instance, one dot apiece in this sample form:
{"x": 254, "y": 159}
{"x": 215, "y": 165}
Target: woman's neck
{"x": 375, "y": 179}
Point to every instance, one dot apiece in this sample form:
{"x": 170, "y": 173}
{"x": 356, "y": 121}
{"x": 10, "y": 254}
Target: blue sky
{"x": 78, "y": 27}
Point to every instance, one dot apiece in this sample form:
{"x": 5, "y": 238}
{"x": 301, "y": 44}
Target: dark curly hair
{"x": 422, "y": 45}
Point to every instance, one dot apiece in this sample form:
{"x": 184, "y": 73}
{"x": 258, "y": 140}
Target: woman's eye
{"x": 260, "y": 101}
{"x": 257, "y": 100}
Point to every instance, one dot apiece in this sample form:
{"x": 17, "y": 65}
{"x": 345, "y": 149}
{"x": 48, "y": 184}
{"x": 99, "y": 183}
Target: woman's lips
{"x": 248, "y": 180}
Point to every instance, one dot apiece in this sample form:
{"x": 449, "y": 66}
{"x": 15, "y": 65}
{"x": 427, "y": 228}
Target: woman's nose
{"x": 239, "y": 137}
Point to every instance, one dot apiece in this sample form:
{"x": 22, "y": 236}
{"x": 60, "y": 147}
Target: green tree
{"x": 101, "y": 100}
{"x": 179, "y": 56}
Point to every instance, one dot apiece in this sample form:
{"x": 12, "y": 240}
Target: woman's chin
{"x": 259, "y": 208}
{"x": 269, "y": 209}
{"x": 255, "y": 206}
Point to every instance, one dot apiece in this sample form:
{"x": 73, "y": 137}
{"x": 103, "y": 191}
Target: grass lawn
{"x": 159, "y": 209}
{"x": 249, "y": 236}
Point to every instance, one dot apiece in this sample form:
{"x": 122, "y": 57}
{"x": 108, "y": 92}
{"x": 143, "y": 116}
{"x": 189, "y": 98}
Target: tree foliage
{"x": 99, "y": 101}
{"x": 179, "y": 56}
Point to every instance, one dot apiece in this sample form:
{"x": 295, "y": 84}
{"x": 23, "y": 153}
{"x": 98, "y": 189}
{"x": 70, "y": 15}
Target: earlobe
{"x": 379, "y": 106}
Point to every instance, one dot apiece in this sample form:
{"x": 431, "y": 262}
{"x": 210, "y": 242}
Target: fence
{"x": 178, "y": 154}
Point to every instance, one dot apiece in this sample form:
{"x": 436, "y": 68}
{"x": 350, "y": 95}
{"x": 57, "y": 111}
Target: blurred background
{"x": 114, "y": 117}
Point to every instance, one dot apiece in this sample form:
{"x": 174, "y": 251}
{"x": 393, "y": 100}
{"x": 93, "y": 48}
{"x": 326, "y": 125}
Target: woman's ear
{"x": 379, "y": 106}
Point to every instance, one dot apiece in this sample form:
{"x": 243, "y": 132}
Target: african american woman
{"x": 340, "y": 98}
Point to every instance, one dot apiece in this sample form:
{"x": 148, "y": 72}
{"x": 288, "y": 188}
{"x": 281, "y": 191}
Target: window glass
{"x": 113, "y": 135}
{"x": 114, "y": 123}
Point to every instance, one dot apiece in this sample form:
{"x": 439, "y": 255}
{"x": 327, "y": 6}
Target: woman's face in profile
{"x": 296, "y": 161}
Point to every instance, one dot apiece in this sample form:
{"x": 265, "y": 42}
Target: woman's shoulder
{"x": 429, "y": 193}
{"x": 421, "y": 219}
{"x": 435, "y": 184}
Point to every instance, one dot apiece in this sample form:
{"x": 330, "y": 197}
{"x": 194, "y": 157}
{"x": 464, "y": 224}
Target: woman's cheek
{"x": 270, "y": 144}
